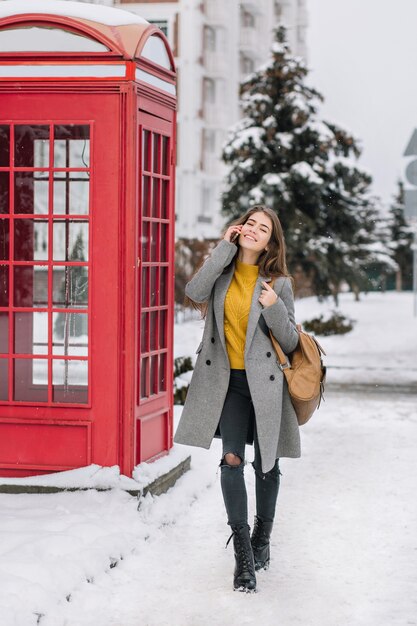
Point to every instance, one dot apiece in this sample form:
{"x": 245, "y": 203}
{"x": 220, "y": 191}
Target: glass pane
{"x": 153, "y": 330}
{"x": 4, "y": 379}
{"x": 31, "y": 380}
{"x": 46, "y": 39}
{"x": 154, "y": 241}
{"x": 30, "y": 333}
{"x": 154, "y": 375}
{"x": 71, "y": 193}
{"x": 4, "y": 193}
{"x": 70, "y": 240}
{"x": 30, "y": 240}
{"x": 146, "y": 151}
{"x": 164, "y": 242}
{"x": 4, "y": 333}
{"x": 156, "y": 153}
{"x": 70, "y": 381}
{"x": 4, "y": 285}
{"x": 165, "y": 155}
{"x": 70, "y": 287}
{"x": 163, "y": 329}
{"x": 145, "y": 241}
{"x": 145, "y": 286}
{"x": 4, "y": 239}
{"x": 162, "y": 372}
{"x": 155, "y": 50}
{"x": 4, "y": 146}
{"x": 31, "y": 146}
{"x": 163, "y": 286}
{"x": 31, "y": 193}
{"x": 144, "y": 368}
{"x": 72, "y": 146}
{"x": 156, "y": 185}
{"x": 70, "y": 334}
{"x": 146, "y": 195}
{"x": 31, "y": 286}
{"x": 154, "y": 286}
{"x": 165, "y": 200}
{"x": 144, "y": 332}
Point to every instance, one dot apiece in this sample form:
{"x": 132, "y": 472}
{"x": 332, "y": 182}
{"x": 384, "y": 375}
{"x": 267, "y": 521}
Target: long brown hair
{"x": 272, "y": 263}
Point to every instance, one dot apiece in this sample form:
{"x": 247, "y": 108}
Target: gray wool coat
{"x": 276, "y": 421}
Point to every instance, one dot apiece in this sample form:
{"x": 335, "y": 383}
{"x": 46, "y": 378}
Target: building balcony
{"x": 249, "y": 39}
{"x": 216, "y": 11}
{"x": 214, "y": 115}
{"x": 212, "y": 164}
{"x": 215, "y": 63}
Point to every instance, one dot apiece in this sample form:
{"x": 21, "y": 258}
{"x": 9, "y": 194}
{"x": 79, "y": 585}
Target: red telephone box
{"x": 87, "y": 137}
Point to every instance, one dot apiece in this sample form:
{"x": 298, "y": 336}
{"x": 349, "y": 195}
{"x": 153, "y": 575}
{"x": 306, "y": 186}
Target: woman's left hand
{"x": 268, "y": 295}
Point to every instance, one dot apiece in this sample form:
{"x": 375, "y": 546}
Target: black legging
{"x": 237, "y": 418}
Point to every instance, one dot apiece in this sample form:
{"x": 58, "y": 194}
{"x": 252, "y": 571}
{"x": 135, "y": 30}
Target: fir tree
{"x": 401, "y": 240}
{"x": 282, "y": 155}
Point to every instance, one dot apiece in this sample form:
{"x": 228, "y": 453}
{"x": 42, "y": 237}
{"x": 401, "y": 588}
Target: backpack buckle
{"x": 284, "y": 366}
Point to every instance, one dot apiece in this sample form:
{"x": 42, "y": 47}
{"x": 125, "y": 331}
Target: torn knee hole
{"x": 231, "y": 459}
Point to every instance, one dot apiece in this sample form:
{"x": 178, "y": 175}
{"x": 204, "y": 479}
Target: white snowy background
{"x": 344, "y": 546}
{"x": 360, "y": 54}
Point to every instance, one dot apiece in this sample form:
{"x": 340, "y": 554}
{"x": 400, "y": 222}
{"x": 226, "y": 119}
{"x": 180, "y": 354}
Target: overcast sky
{"x": 363, "y": 57}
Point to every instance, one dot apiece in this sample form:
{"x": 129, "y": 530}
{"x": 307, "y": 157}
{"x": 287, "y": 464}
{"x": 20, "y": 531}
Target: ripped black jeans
{"x": 236, "y": 419}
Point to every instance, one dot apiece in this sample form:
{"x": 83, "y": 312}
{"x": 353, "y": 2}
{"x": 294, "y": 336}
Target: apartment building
{"x": 216, "y": 44}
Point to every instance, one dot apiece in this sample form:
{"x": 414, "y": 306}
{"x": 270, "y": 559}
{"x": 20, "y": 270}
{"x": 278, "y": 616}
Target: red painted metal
{"x": 65, "y": 404}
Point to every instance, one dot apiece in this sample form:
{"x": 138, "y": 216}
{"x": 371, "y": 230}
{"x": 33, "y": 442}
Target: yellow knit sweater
{"x": 236, "y": 311}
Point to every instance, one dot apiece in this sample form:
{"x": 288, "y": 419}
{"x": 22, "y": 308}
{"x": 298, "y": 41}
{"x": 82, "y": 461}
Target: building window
{"x": 301, "y": 35}
{"x": 247, "y": 65}
{"x": 278, "y": 10}
{"x": 205, "y": 217}
{"x": 247, "y": 20}
{"x": 161, "y": 24}
{"x": 209, "y": 90}
{"x": 209, "y": 140}
{"x": 209, "y": 39}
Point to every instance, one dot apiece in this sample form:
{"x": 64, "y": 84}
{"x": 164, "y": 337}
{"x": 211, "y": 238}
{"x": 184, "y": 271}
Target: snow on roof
{"x": 87, "y": 11}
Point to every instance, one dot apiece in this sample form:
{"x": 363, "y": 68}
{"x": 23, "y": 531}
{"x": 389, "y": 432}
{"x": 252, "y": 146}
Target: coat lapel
{"x": 255, "y": 311}
{"x": 222, "y": 285}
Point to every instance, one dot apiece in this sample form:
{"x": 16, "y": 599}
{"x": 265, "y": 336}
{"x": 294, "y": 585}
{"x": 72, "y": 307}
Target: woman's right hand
{"x": 232, "y": 233}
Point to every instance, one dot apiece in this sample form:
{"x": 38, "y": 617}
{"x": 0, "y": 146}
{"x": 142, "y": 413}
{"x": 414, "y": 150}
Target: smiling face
{"x": 256, "y": 232}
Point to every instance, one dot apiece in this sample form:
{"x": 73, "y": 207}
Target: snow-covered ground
{"x": 344, "y": 549}
{"x": 380, "y": 350}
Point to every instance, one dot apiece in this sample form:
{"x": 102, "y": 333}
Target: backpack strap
{"x": 283, "y": 359}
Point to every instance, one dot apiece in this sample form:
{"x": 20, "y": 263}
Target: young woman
{"x": 238, "y": 391}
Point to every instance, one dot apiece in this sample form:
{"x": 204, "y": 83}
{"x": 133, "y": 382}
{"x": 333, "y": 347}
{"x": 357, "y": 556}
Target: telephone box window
{"x": 45, "y": 250}
{"x": 46, "y": 39}
{"x": 4, "y": 193}
{"x": 4, "y": 146}
{"x": 4, "y": 239}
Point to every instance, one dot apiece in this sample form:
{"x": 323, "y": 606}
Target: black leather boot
{"x": 244, "y": 578}
{"x": 260, "y": 543}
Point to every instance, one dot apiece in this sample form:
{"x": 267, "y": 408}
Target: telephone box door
{"x": 59, "y": 287}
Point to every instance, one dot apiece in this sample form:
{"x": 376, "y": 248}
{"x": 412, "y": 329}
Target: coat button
{"x": 268, "y": 354}
{"x": 208, "y": 362}
{"x": 272, "y": 377}
{"x": 212, "y": 340}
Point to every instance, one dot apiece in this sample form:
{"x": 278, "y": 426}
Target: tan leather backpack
{"x": 305, "y": 374}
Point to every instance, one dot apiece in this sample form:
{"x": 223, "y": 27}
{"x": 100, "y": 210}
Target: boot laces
{"x": 240, "y": 548}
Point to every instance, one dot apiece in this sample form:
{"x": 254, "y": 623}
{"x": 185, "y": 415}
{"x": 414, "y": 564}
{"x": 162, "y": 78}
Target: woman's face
{"x": 256, "y": 232}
